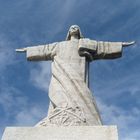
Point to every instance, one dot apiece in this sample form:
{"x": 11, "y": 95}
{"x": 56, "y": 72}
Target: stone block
{"x": 61, "y": 133}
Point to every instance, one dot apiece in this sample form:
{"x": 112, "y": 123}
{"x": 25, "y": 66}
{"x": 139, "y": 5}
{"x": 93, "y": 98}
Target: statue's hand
{"x": 126, "y": 44}
{"x": 21, "y": 50}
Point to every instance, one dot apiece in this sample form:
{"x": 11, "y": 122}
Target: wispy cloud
{"x": 124, "y": 119}
{"x": 17, "y": 109}
{"x": 40, "y": 76}
{"x": 29, "y": 116}
{"x": 6, "y": 53}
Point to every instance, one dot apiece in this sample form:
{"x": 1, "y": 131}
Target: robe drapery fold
{"x": 41, "y": 52}
{"x": 75, "y": 91}
{"x": 100, "y": 49}
{"x": 71, "y": 101}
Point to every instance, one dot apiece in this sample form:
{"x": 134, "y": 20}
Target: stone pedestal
{"x": 61, "y": 133}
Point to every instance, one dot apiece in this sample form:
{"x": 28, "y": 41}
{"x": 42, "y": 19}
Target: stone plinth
{"x": 61, "y": 133}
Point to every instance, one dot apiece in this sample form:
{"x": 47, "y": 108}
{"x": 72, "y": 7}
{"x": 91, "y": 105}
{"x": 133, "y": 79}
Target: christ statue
{"x": 71, "y": 101}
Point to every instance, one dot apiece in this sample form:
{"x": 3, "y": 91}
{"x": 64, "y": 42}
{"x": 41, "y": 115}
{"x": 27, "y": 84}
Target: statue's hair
{"x": 79, "y": 35}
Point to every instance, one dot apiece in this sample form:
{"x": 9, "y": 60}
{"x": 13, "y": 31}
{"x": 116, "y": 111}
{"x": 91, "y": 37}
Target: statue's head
{"x": 74, "y": 30}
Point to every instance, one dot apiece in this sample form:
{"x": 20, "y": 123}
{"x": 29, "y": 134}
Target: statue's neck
{"x": 74, "y": 37}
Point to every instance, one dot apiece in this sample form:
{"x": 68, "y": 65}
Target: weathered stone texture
{"x": 61, "y": 133}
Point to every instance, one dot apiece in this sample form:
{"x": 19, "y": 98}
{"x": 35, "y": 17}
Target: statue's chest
{"x": 69, "y": 50}
{"x": 69, "y": 57}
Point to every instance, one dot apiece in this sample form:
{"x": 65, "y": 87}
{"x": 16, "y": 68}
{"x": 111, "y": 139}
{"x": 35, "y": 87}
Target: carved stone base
{"x": 61, "y": 133}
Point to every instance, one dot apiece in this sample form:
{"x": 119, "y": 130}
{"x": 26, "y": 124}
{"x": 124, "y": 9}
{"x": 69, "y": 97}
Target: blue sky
{"x": 115, "y": 83}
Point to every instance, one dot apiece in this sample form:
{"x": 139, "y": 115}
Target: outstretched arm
{"x": 127, "y": 44}
{"x": 111, "y": 50}
{"x": 41, "y": 52}
{"x": 22, "y": 50}
{"x": 93, "y": 49}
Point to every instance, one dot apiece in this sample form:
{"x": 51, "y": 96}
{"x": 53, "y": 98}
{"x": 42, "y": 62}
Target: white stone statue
{"x": 71, "y": 101}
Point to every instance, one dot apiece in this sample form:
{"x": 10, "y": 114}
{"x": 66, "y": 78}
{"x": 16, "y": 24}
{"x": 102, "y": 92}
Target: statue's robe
{"x": 71, "y": 101}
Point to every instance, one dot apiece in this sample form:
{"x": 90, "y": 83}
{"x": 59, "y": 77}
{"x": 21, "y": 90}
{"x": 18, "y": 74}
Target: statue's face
{"x": 74, "y": 30}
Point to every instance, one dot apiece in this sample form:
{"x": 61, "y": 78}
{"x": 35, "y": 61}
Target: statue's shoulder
{"x": 87, "y": 41}
{"x": 84, "y": 39}
{"x": 63, "y": 42}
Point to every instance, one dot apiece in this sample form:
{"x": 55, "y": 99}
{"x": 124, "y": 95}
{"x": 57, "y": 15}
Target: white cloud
{"x": 110, "y": 80}
{"x": 40, "y": 76}
{"x": 124, "y": 119}
{"x": 6, "y": 53}
{"x": 18, "y": 107}
{"x": 29, "y": 116}
{"x": 12, "y": 100}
